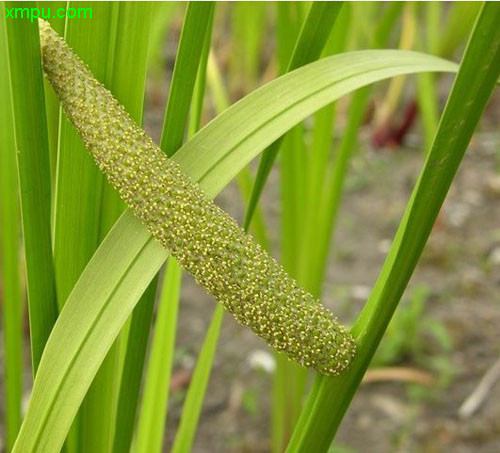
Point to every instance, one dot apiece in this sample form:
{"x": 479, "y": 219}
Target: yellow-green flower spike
{"x": 207, "y": 243}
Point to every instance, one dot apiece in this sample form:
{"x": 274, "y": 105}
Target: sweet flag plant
{"x": 208, "y": 243}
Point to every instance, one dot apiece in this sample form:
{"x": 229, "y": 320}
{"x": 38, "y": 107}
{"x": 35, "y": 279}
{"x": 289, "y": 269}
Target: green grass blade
{"x": 471, "y": 90}
{"x": 331, "y": 198}
{"x": 141, "y": 319}
{"x": 247, "y": 25}
{"x": 193, "y": 402}
{"x": 34, "y": 175}
{"x": 302, "y": 176}
{"x": 309, "y": 45}
{"x": 289, "y": 18}
{"x": 195, "y": 396}
{"x": 163, "y": 15}
{"x": 12, "y": 301}
{"x": 199, "y": 87}
{"x": 220, "y": 99}
{"x": 386, "y": 25}
{"x": 126, "y": 74}
{"x": 153, "y": 412}
{"x": 258, "y": 228}
{"x": 433, "y": 17}
{"x": 292, "y": 193}
{"x": 461, "y": 17}
{"x": 132, "y": 371}
{"x": 428, "y": 99}
{"x": 190, "y": 64}
{"x": 198, "y": 16}
{"x": 128, "y": 258}
{"x": 79, "y": 184}
{"x": 318, "y": 162}
{"x": 314, "y": 33}
{"x": 428, "y": 104}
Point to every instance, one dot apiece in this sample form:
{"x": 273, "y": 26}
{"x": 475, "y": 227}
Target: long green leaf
{"x": 79, "y": 183}
{"x": 12, "y": 301}
{"x": 132, "y": 371}
{"x": 461, "y": 17}
{"x": 331, "y": 198}
{"x": 34, "y": 175}
{"x": 196, "y": 393}
{"x": 151, "y": 424}
{"x": 193, "y": 45}
{"x": 471, "y": 90}
{"x": 198, "y": 16}
{"x": 296, "y": 96}
{"x": 428, "y": 99}
{"x": 79, "y": 188}
{"x": 193, "y": 403}
{"x": 285, "y": 399}
{"x": 164, "y": 14}
{"x": 126, "y": 74}
{"x": 128, "y": 258}
{"x": 309, "y": 45}
{"x": 220, "y": 98}
{"x": 140, "y": 324}
{"x": 247, "y": 25}
{"x": 302, "y": 173}
{"x": 199, "y": 88}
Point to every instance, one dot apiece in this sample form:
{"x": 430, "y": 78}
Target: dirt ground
{"x": 461, "y": 268}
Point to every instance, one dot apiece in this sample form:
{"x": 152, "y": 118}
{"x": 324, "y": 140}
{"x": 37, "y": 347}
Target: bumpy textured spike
{"x": 207, "y": 243}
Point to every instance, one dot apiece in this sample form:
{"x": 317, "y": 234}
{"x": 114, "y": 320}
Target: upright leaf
{"x": 193, "y": 45}
{"x": 34, "y": 175}
{"x": 308, "y": 47}
{"x": 194, "y": 399}
{"x": 126, "y": 77}
{"x": 198, "y": 16}
{"x": 153, "y": 414}
{"x": 12, "y": 301}
{"x": 478, "y": 73}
